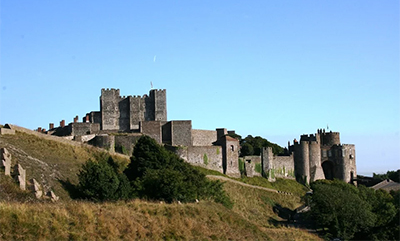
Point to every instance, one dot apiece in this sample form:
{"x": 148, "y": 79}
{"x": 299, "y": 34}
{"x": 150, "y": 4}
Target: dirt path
{"x": 241, "y": 183}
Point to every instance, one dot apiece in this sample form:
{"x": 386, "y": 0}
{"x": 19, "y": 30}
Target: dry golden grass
{"x": 135, "y": 220}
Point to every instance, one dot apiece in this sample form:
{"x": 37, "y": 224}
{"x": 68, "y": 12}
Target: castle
{"x": 316, "y": 156}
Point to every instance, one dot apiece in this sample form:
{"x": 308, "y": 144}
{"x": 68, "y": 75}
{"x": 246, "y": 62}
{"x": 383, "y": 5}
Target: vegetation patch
{"x": 205, "y": 159}
{"x": 257, "y": 167}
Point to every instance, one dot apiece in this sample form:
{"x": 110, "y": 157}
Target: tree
{"x": 158, "y": 174}
{"x": 338, "y": 207}
{"x": 257, "y": 144}
{"x": 246, "y": 149}
{"x": 100, "y": 181}
{"x": 349, "y": 212}
{"x": 392, "y": 175}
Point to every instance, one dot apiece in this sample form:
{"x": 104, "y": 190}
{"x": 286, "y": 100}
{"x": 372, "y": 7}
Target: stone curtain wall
{"x": 124, "y": 144}
{"x": 209, "y": 157}
{"x": 252, "y": 165}
{"x": 181, "y": 133}
{"x": 284, "y": 166}
{"x": 81, "y": 129}
{"x": 203, "y": 137}
{"x": 152, "y": 129}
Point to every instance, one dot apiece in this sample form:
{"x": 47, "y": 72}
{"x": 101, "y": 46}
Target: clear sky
{"x": 277, "y": 69}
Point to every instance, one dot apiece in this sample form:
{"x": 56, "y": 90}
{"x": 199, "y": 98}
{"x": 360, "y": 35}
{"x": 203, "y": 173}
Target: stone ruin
{"x": 6, "y": 161}
{"x": 19, "y": 175}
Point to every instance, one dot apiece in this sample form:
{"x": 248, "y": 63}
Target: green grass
{"x": 281, "y": 184}
{"x": 206, "y": 171}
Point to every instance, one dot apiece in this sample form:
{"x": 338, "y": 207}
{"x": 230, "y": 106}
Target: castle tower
{"x": 159, "y": 98}
{"x": 330, "y": 138}
{"x": 230, "y": 156}
{"x": 109, "y": 108}
{"x": 348, "y": 163}
{"x": 316, "y": 171}
{"x": 267, "y": 163}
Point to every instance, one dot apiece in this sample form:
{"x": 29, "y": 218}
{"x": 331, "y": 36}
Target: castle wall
{"x": 136, "y": 110}
{"x": 209, "y": 157}
{"x": 252, "y": 165}
{"x": 104, "y": 141}
{"x": 95, "y": 117}
{"x": 277, "y": 166}
{"x": 203, "y": 137}
{"x": 283, "y": 166}
{"x": 149, "y": 112}
{"x": 166, "y": 133}
{"x": 81, "y": 129}
{"x": 124, "y": 114}
{"x": 152, "y": 129}
{"x": 181, "y": 133}
{"x": 125, "y": 143}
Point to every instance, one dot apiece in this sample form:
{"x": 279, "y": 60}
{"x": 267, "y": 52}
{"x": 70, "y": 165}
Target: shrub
{"x": 158, "y": 174}
{"x": 100, "y": 181}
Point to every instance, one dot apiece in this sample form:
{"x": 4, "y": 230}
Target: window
{"x": 232, "y": 148}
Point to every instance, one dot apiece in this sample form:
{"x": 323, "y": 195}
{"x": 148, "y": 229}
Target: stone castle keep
{"x": 315, "y": 156}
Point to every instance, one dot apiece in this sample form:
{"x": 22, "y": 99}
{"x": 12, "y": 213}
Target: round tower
{"x": 331, "y": 138}
{"x": 302, "y": 162}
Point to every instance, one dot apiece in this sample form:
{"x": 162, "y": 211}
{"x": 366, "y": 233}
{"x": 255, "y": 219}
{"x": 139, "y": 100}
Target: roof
{"x": 387, "y": 185}
{"x": 229, "y": 138}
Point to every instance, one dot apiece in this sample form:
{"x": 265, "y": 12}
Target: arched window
{"x": 232, "y": 148}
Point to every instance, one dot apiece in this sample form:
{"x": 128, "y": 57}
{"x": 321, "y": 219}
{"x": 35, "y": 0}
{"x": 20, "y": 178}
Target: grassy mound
{"x": 50, "y": 162}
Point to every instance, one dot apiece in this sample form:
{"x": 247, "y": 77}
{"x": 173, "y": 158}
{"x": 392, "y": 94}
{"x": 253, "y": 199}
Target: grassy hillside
{"x": 50, "y": 162}
{"x": 256, "y": 214}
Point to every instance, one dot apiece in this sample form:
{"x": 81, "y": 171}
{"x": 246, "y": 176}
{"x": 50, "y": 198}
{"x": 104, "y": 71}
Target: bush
{"x": 350, "y": 212}
{"x": 100, "y": 181}
{"x": 158, "y": 174}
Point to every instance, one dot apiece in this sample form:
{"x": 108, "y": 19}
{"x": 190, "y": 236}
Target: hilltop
{"x": 256, "y": 214}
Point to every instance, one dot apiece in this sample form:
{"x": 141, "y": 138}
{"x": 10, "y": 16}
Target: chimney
{"x": 87, "y": 118}
{"x": 39, "y": 129}
{"x": 51, "y": 126}
{"x": 76, "y": 119}
{"x": 62, "y": 123}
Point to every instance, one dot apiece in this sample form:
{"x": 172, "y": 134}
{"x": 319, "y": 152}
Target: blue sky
{"x": 277, "y": 69}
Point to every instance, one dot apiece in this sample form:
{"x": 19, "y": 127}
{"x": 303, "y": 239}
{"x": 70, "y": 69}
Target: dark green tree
{"x": 157, "y": 174}
{"x": 100, "y": 181}
{"x": 337, "y": 206}
{"x": 392, "y": 175}
{"x": 246, "y": 149}
{"x": 355, "y": 213}
{"x": 258, "y": 143}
